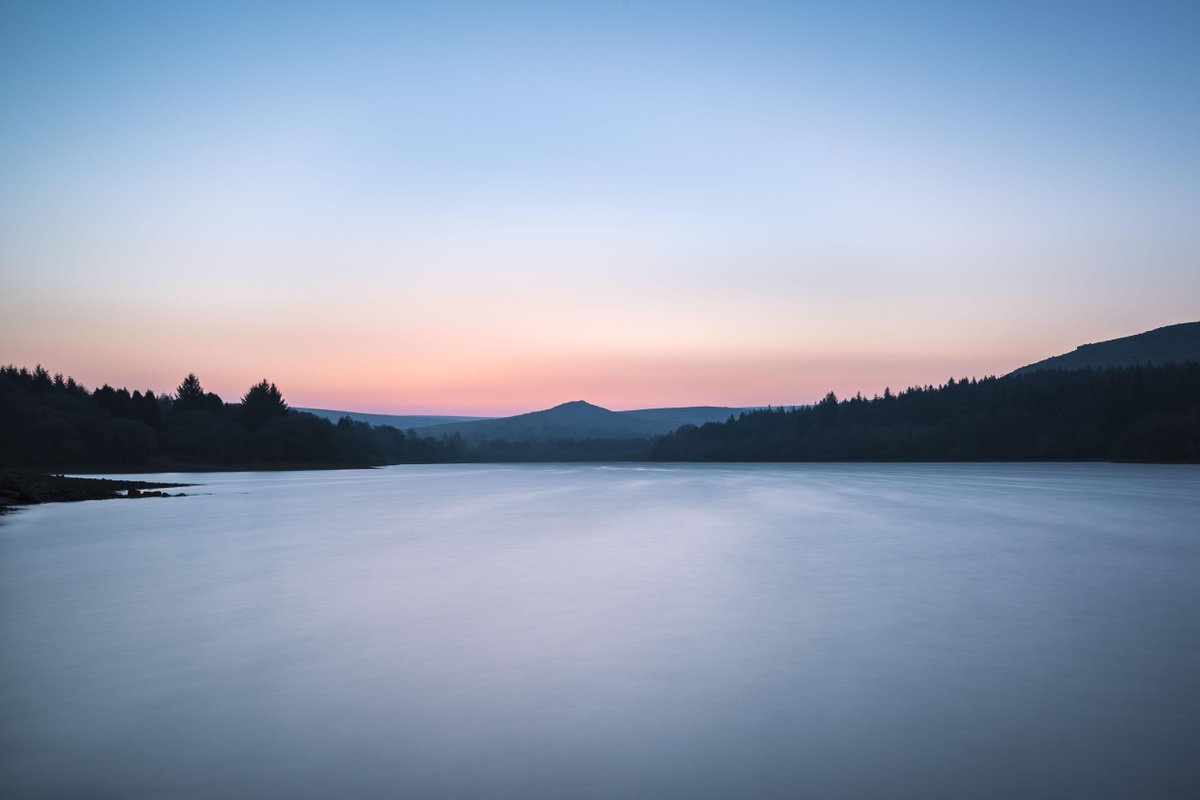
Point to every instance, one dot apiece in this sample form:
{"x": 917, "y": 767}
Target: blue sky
{"x": 497, "y": 206}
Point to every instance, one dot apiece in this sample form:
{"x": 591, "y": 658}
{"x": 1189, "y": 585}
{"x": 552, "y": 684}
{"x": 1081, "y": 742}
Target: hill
{"x": 574, "y": 420}
{"x": 402, "y": 421}
{"x": 1174, "y": 344}
{"x": 585, "y": 421}
{"x": 666, "y": 420}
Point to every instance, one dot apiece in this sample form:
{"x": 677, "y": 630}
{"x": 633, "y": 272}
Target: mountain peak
{"x": 579, "y": 419}
{"x": 577, "y": 404}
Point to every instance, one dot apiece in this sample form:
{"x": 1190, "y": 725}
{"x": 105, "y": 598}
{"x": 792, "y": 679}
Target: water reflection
{"x": 554, "y": 631}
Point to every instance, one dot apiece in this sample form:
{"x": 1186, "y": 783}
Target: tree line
{"x": 1136, "y": 414}
{"x": 1132, "y": 414}
{"x": 52, "y": 421}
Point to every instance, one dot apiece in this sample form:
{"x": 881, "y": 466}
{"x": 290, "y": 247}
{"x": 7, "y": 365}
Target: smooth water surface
{"x": 561, "y": 631}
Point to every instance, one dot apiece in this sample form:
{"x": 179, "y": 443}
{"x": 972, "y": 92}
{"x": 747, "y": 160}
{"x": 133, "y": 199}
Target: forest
{"x": 1127, "y": 414}
{"x": 53, "y": 422}
{"x": 1123, "y": 414}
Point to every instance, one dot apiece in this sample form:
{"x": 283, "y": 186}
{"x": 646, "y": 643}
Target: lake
{"x": 566, "y": 631}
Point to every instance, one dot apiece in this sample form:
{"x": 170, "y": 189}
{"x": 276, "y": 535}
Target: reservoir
{"x": 610, "y": 631}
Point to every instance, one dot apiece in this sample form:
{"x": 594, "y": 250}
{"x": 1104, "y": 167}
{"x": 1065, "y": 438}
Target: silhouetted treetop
{"x": 190, "y": 396}
{"x": 190, "y": 390}
{"x": 262, "y": 402}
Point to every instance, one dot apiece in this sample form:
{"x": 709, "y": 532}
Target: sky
{"x": 489, "y": 208}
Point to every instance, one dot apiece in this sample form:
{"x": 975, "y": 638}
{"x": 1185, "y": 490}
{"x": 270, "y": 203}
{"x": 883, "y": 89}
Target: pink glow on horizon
{"x": 501, "y": 389}
{"x": 374, "y": 362}
{"x": 652, "y": 386}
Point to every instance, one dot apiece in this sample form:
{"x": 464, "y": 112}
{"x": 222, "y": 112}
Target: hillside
{"x": 666, "y": 420}
{"x": 402, "y": 421}
{"x": 584, "y": 421}
{"x": 569, "y": 420}
{"x": 574, "y": 420}
{"x": 1174, "y": 344}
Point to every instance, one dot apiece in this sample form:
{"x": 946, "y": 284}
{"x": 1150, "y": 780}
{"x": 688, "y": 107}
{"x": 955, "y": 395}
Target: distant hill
{"x": 669, "y": 419}
{"x": 582, "y": 420}
{"x": 1174, "y": 344}
{"x": 574, "y": 420}
{"x": 401, "y": 421}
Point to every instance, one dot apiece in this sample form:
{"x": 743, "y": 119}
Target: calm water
{"x": 908, "y": 631}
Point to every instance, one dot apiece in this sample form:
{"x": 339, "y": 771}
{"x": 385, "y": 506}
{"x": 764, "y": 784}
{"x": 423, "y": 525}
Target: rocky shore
{"x": 22, "y": 487}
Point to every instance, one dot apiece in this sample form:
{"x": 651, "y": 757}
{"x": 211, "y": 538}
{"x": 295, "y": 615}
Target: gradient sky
{"x": 496, "y": 207}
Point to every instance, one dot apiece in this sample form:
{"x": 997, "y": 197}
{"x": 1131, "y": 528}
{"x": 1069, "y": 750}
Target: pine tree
{"x": 189, "y": 394}
{"x": 262, "y": 402}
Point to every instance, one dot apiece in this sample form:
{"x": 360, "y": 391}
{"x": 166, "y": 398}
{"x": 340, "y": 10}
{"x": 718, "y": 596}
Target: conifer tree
{"x": 262, "y": 402}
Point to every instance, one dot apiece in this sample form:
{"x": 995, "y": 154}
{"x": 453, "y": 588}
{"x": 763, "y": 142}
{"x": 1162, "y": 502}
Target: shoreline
{"x": 21, "y": 487}
{"x": 159, "y": 468}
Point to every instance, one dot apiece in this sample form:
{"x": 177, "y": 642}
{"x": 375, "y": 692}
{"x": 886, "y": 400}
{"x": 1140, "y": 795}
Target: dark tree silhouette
{"x": 261, "y": 403}
{"x": 41, "y": 379}
{"x": 190, "y": 391}
{"x": 1135, "y": 413}
{"x": 190, "y": 396}
{"x": 148, "y": 411}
